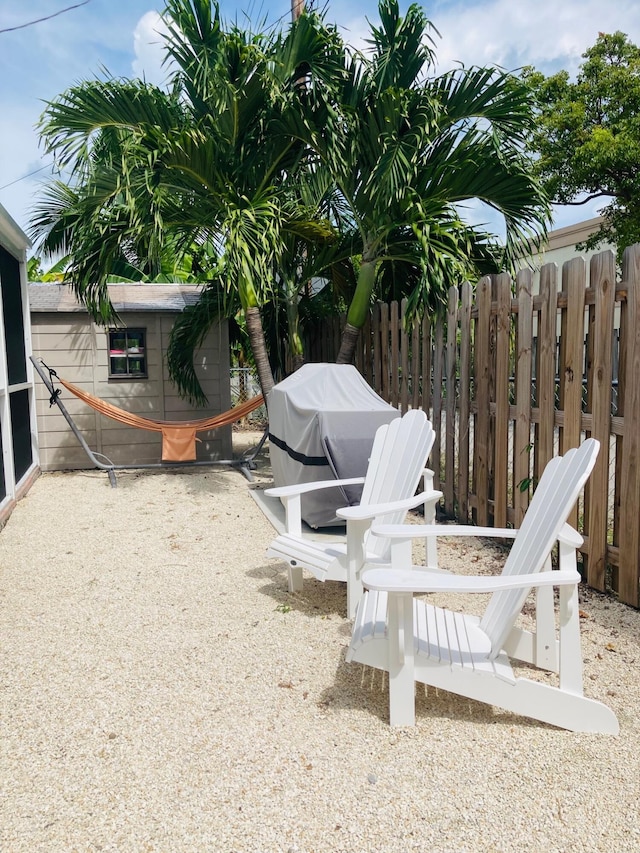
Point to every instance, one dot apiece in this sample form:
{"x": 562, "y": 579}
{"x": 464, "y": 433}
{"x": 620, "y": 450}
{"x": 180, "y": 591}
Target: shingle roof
{"x": 58, "y": 298}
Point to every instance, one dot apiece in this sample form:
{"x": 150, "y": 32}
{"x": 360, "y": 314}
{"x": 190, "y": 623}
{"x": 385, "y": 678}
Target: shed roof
{"x": 59, "y": 298}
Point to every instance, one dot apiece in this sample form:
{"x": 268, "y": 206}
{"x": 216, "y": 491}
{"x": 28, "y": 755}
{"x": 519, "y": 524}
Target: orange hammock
{"x": 178, "y": 437}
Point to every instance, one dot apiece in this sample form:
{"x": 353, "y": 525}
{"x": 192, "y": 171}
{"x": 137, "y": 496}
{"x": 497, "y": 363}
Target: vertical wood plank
{"x": 522, "y": 429}
{"x": 426, "y": 365}
{"x": 384, "y": 354}
{"x": 464, "y": 402}
{"x": 394, "y": 381}
{"x": 546, "y": 377}
{"x": 404, "y": 359}
{"x": 501, "y": 453}
{"x": 358, "y": 358}
{"x": 603, "y": 280}
{"x": 629, "y": 575}
{"x": 450, "y": 405}
{"x": 366, "y": 350}
{"x": 622, "y": 372}
{"x": 574, "y": 279}
{"x": 415, "y": 364}
{"x": 377, "y": 351}
{"x": 438, "y": 370}
{"x": 482, "y": 376}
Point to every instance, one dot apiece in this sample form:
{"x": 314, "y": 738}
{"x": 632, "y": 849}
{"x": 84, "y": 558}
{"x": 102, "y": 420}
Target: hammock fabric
{"x": 178, "y": 437}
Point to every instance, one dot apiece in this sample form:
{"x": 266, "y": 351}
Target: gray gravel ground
{"x": 162, "y": 691}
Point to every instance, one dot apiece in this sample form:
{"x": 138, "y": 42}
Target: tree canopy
{"x": 587, "y": 136}
{"x": 273, "y": 157}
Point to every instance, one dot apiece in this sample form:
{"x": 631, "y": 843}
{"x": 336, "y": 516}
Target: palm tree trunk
{"x": 348, "y": 343}
{"x": 358, "y": 310}
{"x": 259, "y": 347}
{"x": 296, "y": 347}
{"x": 297, "y": 8}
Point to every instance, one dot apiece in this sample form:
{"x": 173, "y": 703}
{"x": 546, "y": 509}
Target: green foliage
{"x": 277, "y": 157}
{"x": 587, "y": 137}
{"x": 406, "y": 149}
{"x": 55, "y": 273}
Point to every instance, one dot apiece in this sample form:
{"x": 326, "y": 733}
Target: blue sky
{"x": 38, "y": 62}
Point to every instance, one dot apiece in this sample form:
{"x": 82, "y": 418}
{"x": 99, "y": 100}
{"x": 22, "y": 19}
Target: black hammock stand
{"x": 244, "y": 463}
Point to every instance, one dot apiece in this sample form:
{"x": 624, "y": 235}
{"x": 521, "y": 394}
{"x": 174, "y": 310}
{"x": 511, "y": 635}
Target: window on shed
{"x": 127, "y": 353}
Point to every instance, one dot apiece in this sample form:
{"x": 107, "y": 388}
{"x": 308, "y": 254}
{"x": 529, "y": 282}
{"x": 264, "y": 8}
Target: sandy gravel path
{"x": 162, "y": 691}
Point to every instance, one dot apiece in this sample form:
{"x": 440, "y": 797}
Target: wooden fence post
{"x": 465, "y": 402}
{"x": 385, "y": 393}
{"x": 483, "y": 375}
{"x": 522, "y": 430}
{"x": 502, "y": 382}
{"x": 438, "y": 373}
{"x": 450, "y": 410}
{"x": 394, "y": 345}
{"x": 546, "y": 369}
{"x": 630, "y": 485}
{"x": 415, "y": 364}
{"x": 378, "y": 350}
{"x": 574, "y": 275}
{"x": 404, "y": 359}
{"x": 602, "y": 280}
{"x": 425, "y": 334}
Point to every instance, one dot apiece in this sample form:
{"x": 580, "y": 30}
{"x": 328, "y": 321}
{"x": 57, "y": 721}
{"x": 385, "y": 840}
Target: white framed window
{"x": 127, "y": 353}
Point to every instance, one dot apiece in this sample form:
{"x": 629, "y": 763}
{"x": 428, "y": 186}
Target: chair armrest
{"x": 352, "y": 513}
{"x": 301, "y": 488}
{"x": 421, "y": 581}
{"x": 416, "y": 531}
{"x": 567, "y": 534}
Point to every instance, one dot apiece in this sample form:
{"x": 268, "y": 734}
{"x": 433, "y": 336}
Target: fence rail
{"x": 510, "y": 378}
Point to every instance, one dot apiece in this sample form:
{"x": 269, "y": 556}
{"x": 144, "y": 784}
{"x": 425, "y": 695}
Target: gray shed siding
{"x": 78, "y": 350}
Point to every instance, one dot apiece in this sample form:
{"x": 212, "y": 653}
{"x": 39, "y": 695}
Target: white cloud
{"x": 39, "y": 62}
{"x": 355, "y": 31}
{"x": 148, "y": 45}
{"x": 546, "y": 34}
{"x": 20, "y": 157}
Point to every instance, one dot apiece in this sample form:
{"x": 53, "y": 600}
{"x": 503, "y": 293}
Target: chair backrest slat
{"x": 398, "y": 457}
{"x": 558, "y": 489}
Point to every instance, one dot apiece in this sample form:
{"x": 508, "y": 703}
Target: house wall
{"x": 561, "y": 247}
{"x": 77, "y": 349}
{"x": 18, "y": 434}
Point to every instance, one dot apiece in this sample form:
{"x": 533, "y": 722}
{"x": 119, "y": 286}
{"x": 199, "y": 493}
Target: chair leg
{"x": 295, "y": 578}
{"x": 402, "y": 707}
{"x": 546, "y": 645}
{"x": 355, "y": 590}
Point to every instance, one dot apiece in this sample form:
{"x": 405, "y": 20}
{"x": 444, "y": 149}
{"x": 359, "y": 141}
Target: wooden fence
{"x": 510, "y": 378}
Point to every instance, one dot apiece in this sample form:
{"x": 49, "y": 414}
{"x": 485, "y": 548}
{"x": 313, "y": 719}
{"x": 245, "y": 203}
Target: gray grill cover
{"x": 322, "y": 421}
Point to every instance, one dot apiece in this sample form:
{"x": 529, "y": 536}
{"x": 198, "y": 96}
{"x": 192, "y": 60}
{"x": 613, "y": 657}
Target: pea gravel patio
{"x": 162, "y": 691}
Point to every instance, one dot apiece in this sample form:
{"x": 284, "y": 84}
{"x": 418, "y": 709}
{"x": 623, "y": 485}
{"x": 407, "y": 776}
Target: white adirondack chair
{"x": 417, "y": 642}
{"x": 397, "y": 462}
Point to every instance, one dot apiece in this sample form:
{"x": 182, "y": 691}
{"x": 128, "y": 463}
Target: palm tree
{"x": 406, "y": 150}
{"x": 208, "y": 165}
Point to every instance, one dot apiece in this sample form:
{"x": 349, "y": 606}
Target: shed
{"x": 124, "y": 365}
{"x": 322, "y": 422}
{"x": 18, "y": 434}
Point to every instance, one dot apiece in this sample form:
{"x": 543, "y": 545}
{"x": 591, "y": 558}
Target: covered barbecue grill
{"x": 322, "y": 421}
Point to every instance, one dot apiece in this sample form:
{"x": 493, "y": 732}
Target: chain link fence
{"x": 244, "y": 386}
